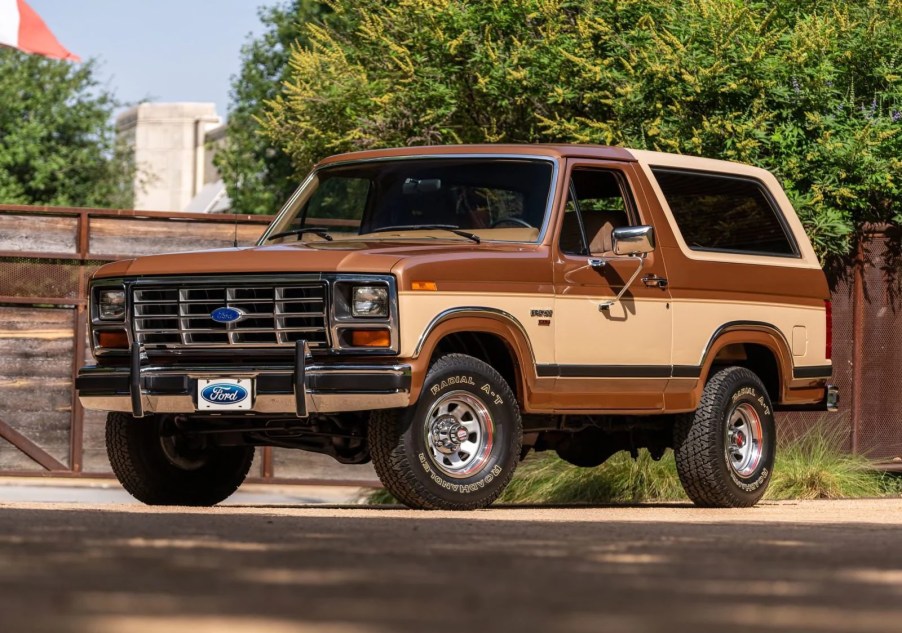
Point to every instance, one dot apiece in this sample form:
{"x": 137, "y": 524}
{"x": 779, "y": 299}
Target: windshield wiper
{"x": 321, "y": 231}
{"x": 428, "y": 227}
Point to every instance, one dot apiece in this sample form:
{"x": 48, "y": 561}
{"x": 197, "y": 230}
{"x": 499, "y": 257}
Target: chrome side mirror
{"x": 634, "y": 240}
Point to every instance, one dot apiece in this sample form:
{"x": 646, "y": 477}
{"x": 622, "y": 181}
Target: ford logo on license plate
{"x": 224, "y": 393}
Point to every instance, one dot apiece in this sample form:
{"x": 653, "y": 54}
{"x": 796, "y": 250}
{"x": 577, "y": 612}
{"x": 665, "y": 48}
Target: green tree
{"x": 57, "y": 145}
{"x": 259, "y": 176}
{"x": 811, "y": 90}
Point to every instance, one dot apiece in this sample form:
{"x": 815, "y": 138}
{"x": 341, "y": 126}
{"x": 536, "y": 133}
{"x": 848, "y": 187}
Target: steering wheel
{"x": 509, "y": 219}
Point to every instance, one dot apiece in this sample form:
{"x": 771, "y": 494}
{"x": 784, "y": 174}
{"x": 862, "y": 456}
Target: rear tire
{"x": 172, "y": 469}
{"x": 458, "y": 446}
{"x": 725, "y": 451}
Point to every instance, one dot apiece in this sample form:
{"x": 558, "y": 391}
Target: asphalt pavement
{"x": 121, "y": 567}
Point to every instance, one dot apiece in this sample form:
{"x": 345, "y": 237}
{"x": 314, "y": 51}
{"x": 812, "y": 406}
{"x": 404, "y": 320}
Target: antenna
{"x": 238, "y": 188}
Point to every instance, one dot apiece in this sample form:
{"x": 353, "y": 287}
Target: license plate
{"x": 233, "y": 394}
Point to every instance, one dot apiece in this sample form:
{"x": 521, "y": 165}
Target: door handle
{"x": 653, "y": 281}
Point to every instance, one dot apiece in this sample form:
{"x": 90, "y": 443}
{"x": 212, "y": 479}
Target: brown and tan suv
{"x": 443, "y": 310}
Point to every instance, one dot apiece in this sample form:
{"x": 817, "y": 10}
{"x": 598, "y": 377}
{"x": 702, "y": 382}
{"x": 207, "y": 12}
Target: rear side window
{"x": 725, "y": 213}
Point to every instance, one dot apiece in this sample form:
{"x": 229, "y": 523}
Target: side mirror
{"x": 634, "y": 240}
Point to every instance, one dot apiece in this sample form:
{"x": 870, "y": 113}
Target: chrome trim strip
{"x": 275, "y": 404}
{"x": 300, "y": 379}
{"x": 204, "y": 371}
{"x": 472, "y": 311}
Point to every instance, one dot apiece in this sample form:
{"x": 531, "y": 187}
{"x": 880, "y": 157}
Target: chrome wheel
{"x": 459, "y": 433}
{"x": 744, "y": 440}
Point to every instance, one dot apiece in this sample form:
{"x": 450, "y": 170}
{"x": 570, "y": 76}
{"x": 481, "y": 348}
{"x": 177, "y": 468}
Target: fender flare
{"x": 482, "y": 320}
{"x": 755, "y": 333}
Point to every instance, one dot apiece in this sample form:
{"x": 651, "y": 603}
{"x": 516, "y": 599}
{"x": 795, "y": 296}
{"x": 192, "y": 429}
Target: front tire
{"x": 458, "y": 446}
{"x": 160, "y": 467}
{"x": 725, "y": 452}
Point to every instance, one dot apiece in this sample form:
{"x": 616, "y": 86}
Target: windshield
{"x": 425, "y": 198}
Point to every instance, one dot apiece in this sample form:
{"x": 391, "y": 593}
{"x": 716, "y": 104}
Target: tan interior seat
{"x": 600, "y": 227}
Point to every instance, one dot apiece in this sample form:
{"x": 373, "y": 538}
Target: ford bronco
{"x": 442, "y": 311}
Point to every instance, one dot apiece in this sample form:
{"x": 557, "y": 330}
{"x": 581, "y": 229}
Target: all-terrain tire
{"x": 468, "y": 409}
{"x": 725, "y": 451}
{"x": 199, "y": 476}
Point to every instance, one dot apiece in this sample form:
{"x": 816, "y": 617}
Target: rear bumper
{"x": 301, "y": 390}
{"x": 829, "y": 402}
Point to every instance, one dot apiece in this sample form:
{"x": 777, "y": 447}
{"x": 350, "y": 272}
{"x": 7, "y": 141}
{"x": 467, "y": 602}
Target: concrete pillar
{"x": 168, "y": 142}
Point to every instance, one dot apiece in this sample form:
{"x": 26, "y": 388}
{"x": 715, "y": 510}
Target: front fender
{"x": 477, "y": 320}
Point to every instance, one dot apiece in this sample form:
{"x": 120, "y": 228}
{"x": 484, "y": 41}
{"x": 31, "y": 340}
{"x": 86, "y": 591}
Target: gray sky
{"x": 162, "y": 50}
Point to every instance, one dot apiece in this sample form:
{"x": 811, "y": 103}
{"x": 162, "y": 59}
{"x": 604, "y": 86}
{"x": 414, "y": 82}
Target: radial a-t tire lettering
{"x": 457, "y": 448}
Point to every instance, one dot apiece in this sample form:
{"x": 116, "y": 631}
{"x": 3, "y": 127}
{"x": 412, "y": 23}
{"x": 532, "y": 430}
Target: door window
{"x": 595, "y": 207}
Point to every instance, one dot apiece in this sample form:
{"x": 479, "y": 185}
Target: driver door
{"x": 616, "y": 358}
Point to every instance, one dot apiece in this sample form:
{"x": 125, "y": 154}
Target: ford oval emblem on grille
{"x": 226, "y": 315}
{"x": 223, "y": 393}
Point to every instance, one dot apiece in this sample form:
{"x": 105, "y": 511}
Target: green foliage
{"x": 621, "y": 479}
{"x": 810, "y": 90}
{"x": 259, "y": 176}
{"x": 814, "y": 466}
{"x": 57, "y": 145}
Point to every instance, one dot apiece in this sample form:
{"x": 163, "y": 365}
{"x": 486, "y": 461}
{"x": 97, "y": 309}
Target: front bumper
{"x": 301, "y": 390}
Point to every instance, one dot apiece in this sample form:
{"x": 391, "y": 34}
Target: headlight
{"x": 369, "y": 301}
{"x": 111, "y": 305}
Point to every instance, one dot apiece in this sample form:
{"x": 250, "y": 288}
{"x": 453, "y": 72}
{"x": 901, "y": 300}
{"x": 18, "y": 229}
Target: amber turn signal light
{"x": 370, "y": 338}
{"x": 113, "y": 339}
{"x": 423, "y": 285}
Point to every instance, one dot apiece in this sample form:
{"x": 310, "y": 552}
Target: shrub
{"x": 811, "y": 90}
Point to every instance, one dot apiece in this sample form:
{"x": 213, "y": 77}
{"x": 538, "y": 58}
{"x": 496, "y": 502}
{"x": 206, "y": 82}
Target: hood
{"x": 340, "y": 256}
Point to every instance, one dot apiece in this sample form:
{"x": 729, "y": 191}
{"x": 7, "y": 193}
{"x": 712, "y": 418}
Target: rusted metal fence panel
{"x": 867, "y": 353}
{"x": 876, "y": 385}
{"x": 47, "y": 256}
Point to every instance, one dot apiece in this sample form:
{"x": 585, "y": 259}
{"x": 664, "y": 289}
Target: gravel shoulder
{"x": 803, "y": 566}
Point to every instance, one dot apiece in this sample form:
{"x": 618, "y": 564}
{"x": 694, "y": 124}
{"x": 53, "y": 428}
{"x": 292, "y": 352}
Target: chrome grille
{"x": 179, "y": 316}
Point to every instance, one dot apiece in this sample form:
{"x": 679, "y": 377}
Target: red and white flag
{"x": 22, "y": 28}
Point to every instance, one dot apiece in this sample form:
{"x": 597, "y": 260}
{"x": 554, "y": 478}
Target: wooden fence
{"x": 47, "y": 256}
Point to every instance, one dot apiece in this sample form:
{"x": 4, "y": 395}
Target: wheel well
{"x": 489, "y": 348}
{"x": 756, "y": 358}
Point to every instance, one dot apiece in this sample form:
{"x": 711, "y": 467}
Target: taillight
{"x": 828, "y": 351}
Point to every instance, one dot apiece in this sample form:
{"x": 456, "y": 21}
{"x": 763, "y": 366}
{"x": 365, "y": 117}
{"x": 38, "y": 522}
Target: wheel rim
{"x": 459, "y": 433}
{"x": 181, "y": 455}
{"x": 744, "y": 440}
